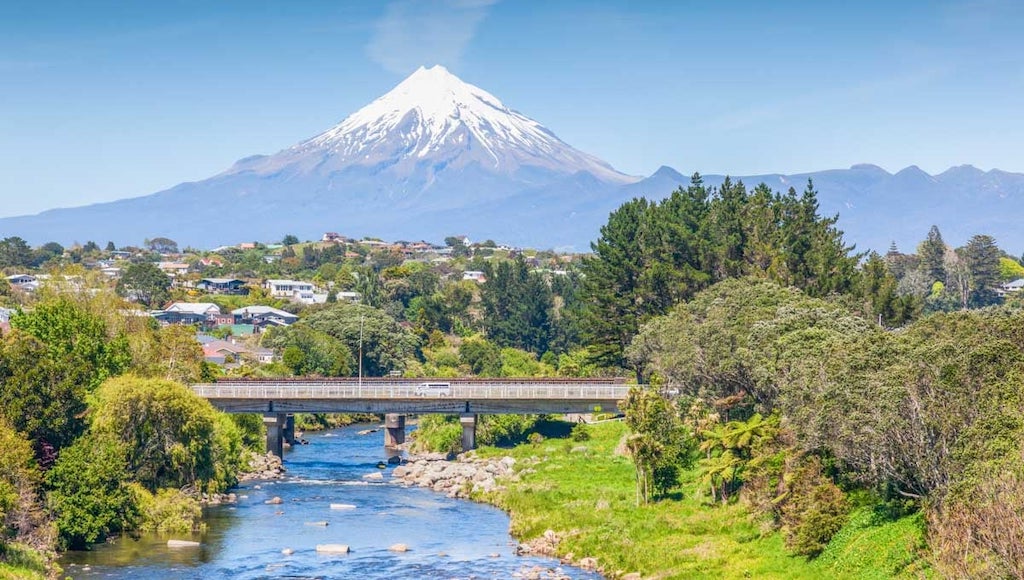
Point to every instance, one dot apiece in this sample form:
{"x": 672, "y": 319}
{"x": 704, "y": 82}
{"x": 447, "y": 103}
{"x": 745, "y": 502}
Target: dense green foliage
{"x": 59, "y": 353}
{"x": 651, "y": 256}
{"x": 929, "y": 413}
{"x": 90, "y": 493}
{"x": 144, "y": 283}
{"x": 309, "y": 352}
{"x": 385, "y": 345}
{"x": 170, "y": 437}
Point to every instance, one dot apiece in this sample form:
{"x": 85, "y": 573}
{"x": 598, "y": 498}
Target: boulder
{"x": 394, "y": 460}
{"x": 332, "y": 548}
{"x": 589, "y": 564}
{"x": 376, "y": 475}
{"x": 398, "y": 548}
{"x": 274, "y": 501}
{"x": 287, "y": 551}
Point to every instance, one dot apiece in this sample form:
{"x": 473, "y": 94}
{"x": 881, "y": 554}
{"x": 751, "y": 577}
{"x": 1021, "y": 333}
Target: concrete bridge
{"x": 278, "y": 399}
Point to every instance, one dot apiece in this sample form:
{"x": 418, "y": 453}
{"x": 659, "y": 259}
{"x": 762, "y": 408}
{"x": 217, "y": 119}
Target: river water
{"x": 447, "y": 538}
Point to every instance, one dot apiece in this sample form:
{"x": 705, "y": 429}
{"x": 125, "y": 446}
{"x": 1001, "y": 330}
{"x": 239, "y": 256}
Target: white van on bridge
{"x": 434, "y": 390}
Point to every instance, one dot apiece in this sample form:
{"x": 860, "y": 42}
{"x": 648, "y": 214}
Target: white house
{"x": 1014, "y": 286}
{"x": 200, "y": 308}
{"x": 26, "y": 282}
{"x": 173, "y": 268}
{"x": 474, "y": 275}
{"x": 350, "y": 297}
{"x": 295, "y": 290}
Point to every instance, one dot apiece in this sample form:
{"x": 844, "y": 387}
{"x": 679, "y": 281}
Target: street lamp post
{"x": 360, "y": 355}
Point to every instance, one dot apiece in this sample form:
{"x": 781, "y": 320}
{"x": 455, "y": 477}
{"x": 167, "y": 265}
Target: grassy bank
{"x": 21, "y": 562}
{"x": 585, "y": 492}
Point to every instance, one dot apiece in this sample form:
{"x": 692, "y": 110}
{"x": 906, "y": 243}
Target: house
{"x": 474, "y": 275}
{"x": 173, "y": 268}
{"x": 247, "y": 246}
{"x": 1011, "y": 287}
{"x": 232, "y": 286}
{"x": 179, "y": 317}
{"x": 262, "y": 316}
{"x": 222, "y": 319}
{"x": 219, "y": 351}
{"x": 333, "y": 237}
{"x": 111, "y": 272}
{"x": 350, "y": 297}
{"x": 23, "y": 281}
{"x": 202, "y": 308}
{"x": 295, "y": 290}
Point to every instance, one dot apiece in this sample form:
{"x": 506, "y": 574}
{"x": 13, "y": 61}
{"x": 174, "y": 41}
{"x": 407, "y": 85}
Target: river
{"x": 447, "y": 538}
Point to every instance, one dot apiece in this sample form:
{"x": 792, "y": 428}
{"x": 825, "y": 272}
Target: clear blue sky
{"x": 104, "y": 100}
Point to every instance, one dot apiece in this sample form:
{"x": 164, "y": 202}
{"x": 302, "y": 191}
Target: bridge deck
{"x": 399, "y": 396}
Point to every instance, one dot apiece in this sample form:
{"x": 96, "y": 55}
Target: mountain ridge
{"x": 436, "y": 155}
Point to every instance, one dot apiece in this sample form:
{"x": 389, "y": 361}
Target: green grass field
{"x": 588, "y": 496}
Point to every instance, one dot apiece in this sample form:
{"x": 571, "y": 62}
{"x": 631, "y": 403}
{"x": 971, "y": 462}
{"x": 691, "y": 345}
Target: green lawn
{"x": 591, "y": 491}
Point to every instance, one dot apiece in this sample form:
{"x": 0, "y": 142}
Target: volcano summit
{"x": 432, "y": 157}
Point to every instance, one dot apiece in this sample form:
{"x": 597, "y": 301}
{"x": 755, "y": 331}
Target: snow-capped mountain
{"x": 432, "y": 157}
{"x": 435, "y": 120}
{"x": 436, "y": 156}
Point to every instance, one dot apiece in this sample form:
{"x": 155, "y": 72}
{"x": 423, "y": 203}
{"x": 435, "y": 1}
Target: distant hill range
{"x": 437, "y": 156}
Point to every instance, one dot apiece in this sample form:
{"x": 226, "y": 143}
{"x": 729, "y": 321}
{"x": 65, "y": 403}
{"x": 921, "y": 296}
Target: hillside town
{"x": 233, "y": 294}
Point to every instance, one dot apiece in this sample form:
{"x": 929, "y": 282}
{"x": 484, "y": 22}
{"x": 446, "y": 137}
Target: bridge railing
{"x": 406, "y": 390}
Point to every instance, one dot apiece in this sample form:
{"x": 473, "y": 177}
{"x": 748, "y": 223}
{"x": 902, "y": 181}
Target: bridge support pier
{"x": 468, "y": 422}
{"x": 275, "y": 432}
{"x": 288, "y": 432}
{"x": 394, "y": 429}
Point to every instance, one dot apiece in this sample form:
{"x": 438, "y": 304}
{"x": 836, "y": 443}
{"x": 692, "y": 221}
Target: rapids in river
{"x": 447, "y": 538}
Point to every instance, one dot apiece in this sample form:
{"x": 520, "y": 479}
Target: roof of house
{"x": 1018, "y": 283}
{"x": 221, "y": 280}
{"x": 287, "y": 282}
{"x": 258, "y": 310}
{"x": 193, "y": 307}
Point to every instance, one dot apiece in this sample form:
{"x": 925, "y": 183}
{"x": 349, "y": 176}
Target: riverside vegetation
{"x": 808, "y": 410}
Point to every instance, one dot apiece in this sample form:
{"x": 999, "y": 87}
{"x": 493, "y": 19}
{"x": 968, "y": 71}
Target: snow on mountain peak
{"x": 434, "y": 117}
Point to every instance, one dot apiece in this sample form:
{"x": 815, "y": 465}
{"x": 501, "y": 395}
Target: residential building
{"x": 262, "y": 316}
{"x": 173, "y": 268}
{"x": 232, "y": 286}
{"x": 474, "y": 275}
{"x": 26, "y": 282}
{"x": 1011, "y": 287}
{"x": 295, "y": 290}
{"x": 202, "y": 308}
{"x": 350, "y": 297}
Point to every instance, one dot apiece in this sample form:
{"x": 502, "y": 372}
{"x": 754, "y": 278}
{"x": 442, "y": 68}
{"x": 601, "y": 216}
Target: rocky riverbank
{"x": 460, "y": 477}
{"x": 262, "y": 467}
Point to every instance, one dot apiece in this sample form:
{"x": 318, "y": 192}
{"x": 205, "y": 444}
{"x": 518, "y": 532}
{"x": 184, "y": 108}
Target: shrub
{"x": 814, "y": 511}
{"x": 438, "y": 433}
{"x": 580, "y": 432}
{"x": 535, "y": 438}
{"x": 169, "y": 510}
{"x": 169, "y": 435}
{"x": 88, "y": 492}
